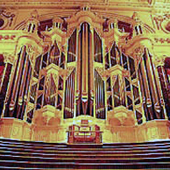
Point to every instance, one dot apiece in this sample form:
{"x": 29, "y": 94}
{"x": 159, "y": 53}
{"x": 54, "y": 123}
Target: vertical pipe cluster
{"x": 69, "y": 96}
{"x": 99, "y": 96}
{"x": 5, "y": 71}
{"x": 152, "y": 102}
{"x": 84, "y": 99}
{"x": 50, "y": 82}
{"x": 72, "y": 47}
{"x": 15, "y": 102}
{"x": 165, "y": 89}
{"x": 113, "y": 57}
{"x": 124, "y": 86}
{"x": 44, "y": 91}
{"x": 98, "y": 53}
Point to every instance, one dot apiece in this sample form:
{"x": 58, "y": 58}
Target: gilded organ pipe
{"x": 162, "y": 112}
{"x": 152, "y": 85}
{"x": 17, "y": 81}
{"x": 22, "y": 89}
{"x": 164, "y": 86}
{"x": 4, "y": 81}
{"x": 147, "y": 93}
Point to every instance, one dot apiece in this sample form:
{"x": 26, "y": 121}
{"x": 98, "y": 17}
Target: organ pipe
{"x": 152, "y": 85}
{"x": 7, "y": 108}
{"x": 84, "y": 67}
{"x": 161, "y": 103}
{"x": 100, "y": 96}
{"x": 69, "y": 96}
{"x": 98, "y": 54}
{"x": 4, "y": 80}
{"x": 163, "y": 82}
{"x": 72, "y": 44}
{"x": 26, "y": 90}
{"x": 16, "y": 102}
{"x": 147, "y": 93}
{"x": 22, "y": 89}
{"x": 17, "y": 81}
{"x": 84, "y": 90}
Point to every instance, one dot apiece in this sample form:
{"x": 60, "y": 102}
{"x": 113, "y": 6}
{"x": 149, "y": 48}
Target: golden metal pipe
{"x": 85, "y": 61}
{"x": 23, "y": 84}
{"x": 146, "y": 87}
{"x": 144, "y": 78}
{"x": 26, "y": 90}
{"x": 151, "y": 77}
{"x": 3, "y": 76}
{"x": 158, "y": 87}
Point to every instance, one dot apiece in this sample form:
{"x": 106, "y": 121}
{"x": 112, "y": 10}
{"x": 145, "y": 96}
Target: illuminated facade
{"x": 84, "y": 67}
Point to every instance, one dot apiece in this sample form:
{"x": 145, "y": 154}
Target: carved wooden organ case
{"x": 88, "y": 65}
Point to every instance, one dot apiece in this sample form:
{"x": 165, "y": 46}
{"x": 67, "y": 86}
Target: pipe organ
{"x": 84, "y": 66}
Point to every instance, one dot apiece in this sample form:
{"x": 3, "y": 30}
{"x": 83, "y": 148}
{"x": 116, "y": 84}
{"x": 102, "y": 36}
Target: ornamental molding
{"x": 9, "y": 58}
{"x": 98, "y": 5}
{"x": 30, "y": 106}
{"x": 114, "y": 35}
{"x": 30, "y": 40}
{"x": 162, "y": 40}
{"x": 75, "y": 21}
{"x": 55, "y": 34}
{"x": 19, "y": 38}
{"x": 138, "y": 42}
{"x": 138, "y": 54}
{"x": 162, "y": 22}
{"x": 7, "y": 16}
{"x": 159, "y": 60}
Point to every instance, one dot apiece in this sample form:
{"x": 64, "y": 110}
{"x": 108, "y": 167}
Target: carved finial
{"x": 159, "y": 60}
{"x": 135, "y": 16}
{"x": 34, "y": 14}
{"x": 115, "y": 23}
